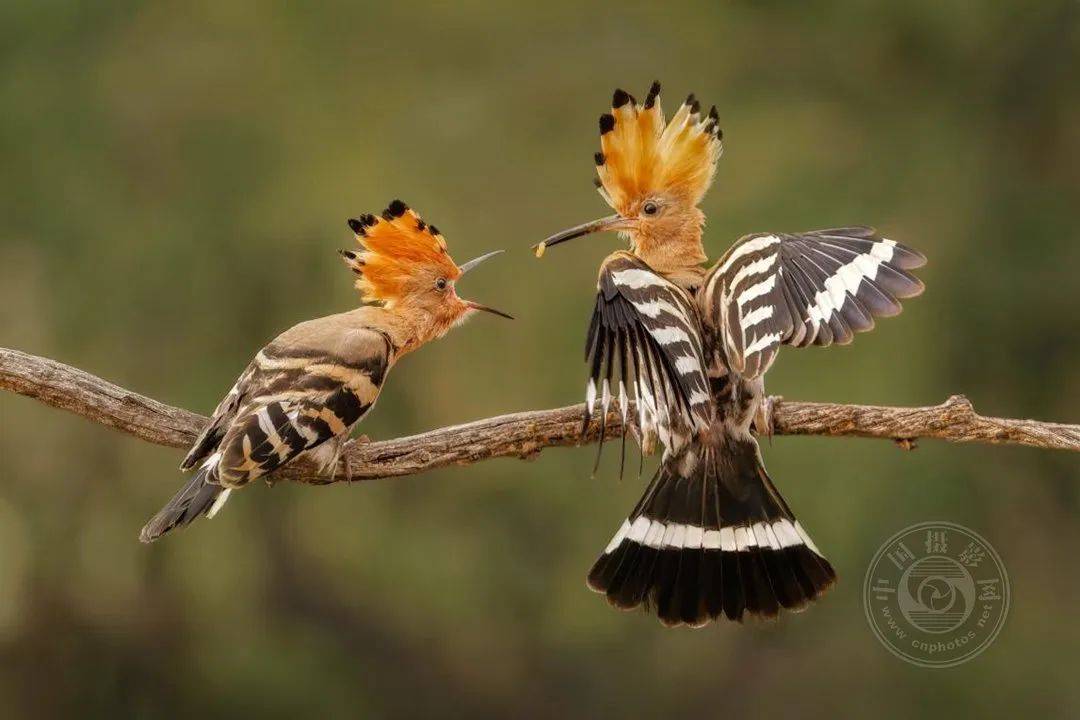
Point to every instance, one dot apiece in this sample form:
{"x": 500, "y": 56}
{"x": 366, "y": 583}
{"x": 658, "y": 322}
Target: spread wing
{"x": 296, "y": 394}
{"x": 818, "y": 287}
{"x": 644, "y": 337}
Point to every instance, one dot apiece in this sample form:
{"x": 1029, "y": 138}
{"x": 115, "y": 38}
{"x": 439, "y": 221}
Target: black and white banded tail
{"x": 712, "y": 538}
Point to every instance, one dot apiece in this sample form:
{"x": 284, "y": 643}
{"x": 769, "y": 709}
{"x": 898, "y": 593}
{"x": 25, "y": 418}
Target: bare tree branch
{"x": 521, "y": 435}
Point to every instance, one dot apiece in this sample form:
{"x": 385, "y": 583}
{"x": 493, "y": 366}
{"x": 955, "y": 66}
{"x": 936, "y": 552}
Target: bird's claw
{"x": 346, "y": 460}
{"x": 763, "y": 418}
{"x": 646, "y": 441}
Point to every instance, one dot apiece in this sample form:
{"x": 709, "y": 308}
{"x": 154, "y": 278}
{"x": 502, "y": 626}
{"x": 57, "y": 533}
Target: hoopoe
{"x": 305, "y": 391}
{"x": 711, "y": 537}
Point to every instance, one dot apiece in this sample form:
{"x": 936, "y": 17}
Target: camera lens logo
{"x": 936, "y": 594}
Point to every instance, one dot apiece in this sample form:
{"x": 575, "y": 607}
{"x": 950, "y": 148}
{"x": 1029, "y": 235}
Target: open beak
{"x": 475, "y": 305}
{"x": 611, "y": 222}
{"x": 476, "y": 261}
{"x": 485, "y": 308}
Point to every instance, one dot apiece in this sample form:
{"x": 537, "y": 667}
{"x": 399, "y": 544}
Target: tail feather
{"x": 712, "y": 538}
{"x": 197, "y": 498}
{"x": 631, "y": 567}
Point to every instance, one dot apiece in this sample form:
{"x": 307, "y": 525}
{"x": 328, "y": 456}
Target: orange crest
{"x": 402, "y": 254}
{"x": 641, "y": 156}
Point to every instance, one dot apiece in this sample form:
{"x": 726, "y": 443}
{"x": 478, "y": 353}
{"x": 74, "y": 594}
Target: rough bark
{"x": 521, "y": 435}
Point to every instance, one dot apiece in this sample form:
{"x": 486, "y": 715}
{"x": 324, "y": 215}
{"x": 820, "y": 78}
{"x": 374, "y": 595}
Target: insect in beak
{"x": 611, "y": 222}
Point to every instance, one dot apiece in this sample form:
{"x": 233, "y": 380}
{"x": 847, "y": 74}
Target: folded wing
{"x": 297, "y": 394}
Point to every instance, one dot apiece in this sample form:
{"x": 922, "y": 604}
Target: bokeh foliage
{"x": 175, "y": 177}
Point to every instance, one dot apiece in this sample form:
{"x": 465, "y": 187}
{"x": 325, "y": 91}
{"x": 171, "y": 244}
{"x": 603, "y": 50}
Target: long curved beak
{"x": 611, "y": 222}
{"x": 475, "y": 305}
{"x": 476, "y": 261}
{"x": 485, "y": 308}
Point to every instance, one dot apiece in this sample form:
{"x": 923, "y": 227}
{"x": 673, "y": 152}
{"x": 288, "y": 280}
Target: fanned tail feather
{"x": 712, "y": 538}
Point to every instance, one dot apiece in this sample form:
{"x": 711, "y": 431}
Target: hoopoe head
{"x": 404, "y": 266}
{"x": 654, "y": 174}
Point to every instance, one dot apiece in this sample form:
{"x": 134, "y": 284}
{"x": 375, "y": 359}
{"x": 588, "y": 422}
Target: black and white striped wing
{"x": 223, "y": 417}
{"x": 297, "y": 397}
{"x": 271, "y": 435}
{"x": 818, "y": 287}
{"x": 645, "y": 340}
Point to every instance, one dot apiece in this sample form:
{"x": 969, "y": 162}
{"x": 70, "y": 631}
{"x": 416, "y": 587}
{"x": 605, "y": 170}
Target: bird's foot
{"x": 329, "y": 467}
{"x": 763, "y": 418}
{"x": 346, "y": 459}
{"x": 646, "y": 440}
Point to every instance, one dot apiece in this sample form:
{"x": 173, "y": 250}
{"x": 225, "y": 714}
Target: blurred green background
{"x": 174, "y": 182}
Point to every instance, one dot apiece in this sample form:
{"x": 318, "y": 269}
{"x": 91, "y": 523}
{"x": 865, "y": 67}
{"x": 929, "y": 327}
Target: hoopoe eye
{"x": 650, "y": 208}
{"x": 440, "y": 284}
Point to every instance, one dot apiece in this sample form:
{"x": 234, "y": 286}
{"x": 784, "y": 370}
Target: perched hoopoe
{"x": 712, "y": 536}
{"x": 307, "y": 389}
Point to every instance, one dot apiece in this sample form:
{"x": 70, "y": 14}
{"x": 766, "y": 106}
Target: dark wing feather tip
{"x": 792, "y": 285}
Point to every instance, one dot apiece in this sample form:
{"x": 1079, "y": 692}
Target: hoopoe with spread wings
{"x": 711, "y": 537}
{"x": 305, "y": 391}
